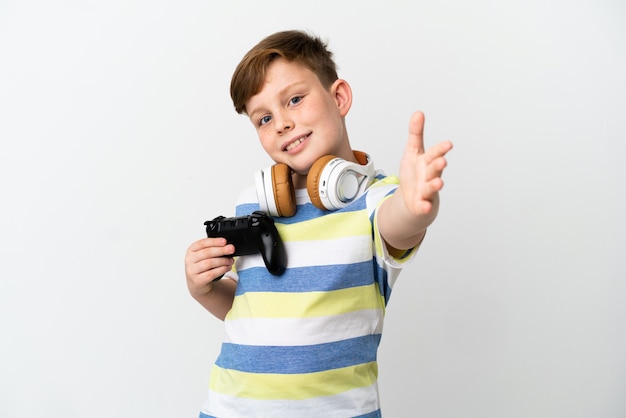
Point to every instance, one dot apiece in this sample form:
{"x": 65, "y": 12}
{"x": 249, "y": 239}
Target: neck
{"x": 299, "y": 181}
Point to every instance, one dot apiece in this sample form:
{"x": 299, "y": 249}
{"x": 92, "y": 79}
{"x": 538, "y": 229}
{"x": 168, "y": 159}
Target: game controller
{"x": 252, "y": 234}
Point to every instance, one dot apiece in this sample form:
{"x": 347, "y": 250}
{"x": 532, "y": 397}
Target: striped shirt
{"x": 304, "y": 344}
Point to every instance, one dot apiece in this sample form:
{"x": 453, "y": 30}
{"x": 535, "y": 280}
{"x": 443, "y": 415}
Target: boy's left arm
{"x": 404, "y": 217}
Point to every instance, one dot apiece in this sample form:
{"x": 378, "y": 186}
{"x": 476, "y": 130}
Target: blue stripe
{"x": 246, "y": 209}
{"x": 383, "y": 283}
{"x": 308, "y": 211}
{"x": 299, "y": 359}
{"x": 306, "y": 279}
{"x": 303, "y": 212}
{"x": 375, "y": 414}
{"x": 313, "y": 279}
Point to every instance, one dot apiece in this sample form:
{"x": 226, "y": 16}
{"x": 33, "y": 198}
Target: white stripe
{"x": 304, "y": 331}
{"x": 358, "y": 401}
{"x": 376, "y": 193}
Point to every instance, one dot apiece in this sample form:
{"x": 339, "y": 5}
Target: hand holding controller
{"x": 252, "y": 234}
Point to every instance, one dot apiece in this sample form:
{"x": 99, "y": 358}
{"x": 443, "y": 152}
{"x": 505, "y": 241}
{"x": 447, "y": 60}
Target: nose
{"x": 283, "y": 122}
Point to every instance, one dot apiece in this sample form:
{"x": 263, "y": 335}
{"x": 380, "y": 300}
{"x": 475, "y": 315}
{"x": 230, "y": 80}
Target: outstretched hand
{"x": 420, "y": 169}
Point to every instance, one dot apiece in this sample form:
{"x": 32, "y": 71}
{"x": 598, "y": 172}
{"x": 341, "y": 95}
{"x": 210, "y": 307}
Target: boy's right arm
{"x": 206, "y": 260}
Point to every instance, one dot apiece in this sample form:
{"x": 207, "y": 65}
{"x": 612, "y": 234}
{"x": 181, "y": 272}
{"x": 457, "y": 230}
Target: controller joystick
{"x": 252, "y": 234}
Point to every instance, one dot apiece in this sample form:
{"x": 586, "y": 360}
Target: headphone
{"x": 332, "y": 183}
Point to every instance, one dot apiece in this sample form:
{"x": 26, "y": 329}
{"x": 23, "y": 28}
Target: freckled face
{"x": 297, "y": 119}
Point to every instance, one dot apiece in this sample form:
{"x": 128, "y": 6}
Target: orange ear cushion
{"x": 313, "y": 180}
{"x": 284, "y": 193}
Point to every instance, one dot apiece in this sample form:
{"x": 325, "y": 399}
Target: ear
{"x": 342, "y": 93}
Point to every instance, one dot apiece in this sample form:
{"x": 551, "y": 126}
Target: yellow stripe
{"x": 332, "y": 226}
{"x": 306, "y": 304}
{"x": 386, "y": 180}
{"x": 292, "y": 386}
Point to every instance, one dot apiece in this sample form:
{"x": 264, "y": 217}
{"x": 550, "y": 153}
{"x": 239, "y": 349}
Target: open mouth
{"x": 297, "y": 142}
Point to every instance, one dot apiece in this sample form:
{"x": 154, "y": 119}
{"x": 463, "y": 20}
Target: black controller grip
{"x": 252, "y": 234}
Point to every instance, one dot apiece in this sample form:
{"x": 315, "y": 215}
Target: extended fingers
{"x": 432, "y": 187}
{"x": 432, "y": 181}
{"x": 435, "y": 168}
{"x": 437, "y": 151}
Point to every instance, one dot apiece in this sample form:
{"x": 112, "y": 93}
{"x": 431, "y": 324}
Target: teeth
{"x": 295, "y": 143}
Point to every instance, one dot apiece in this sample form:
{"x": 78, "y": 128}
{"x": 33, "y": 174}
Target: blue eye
{"x": 264, "y": 120}
{"x": 295, "y": 100}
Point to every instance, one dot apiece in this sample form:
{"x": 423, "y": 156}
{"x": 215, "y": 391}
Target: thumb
{"x": 416, "y": 133}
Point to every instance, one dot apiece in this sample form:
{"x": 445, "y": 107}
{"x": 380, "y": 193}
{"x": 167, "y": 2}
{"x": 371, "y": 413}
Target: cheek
{"x": 266, "y": 142}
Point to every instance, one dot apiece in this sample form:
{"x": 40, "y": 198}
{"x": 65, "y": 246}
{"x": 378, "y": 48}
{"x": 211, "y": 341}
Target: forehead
{"x": 281, "y": 69}
{"x": 280, "y": 76}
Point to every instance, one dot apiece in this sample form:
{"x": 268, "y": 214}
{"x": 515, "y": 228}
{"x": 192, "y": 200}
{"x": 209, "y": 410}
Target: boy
{"x": 304, "y": 343}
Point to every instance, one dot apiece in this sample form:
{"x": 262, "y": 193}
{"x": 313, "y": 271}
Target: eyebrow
{"x": 280, "y": 93}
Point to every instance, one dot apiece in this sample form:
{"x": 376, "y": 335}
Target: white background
{"x": 119, "y": 140}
